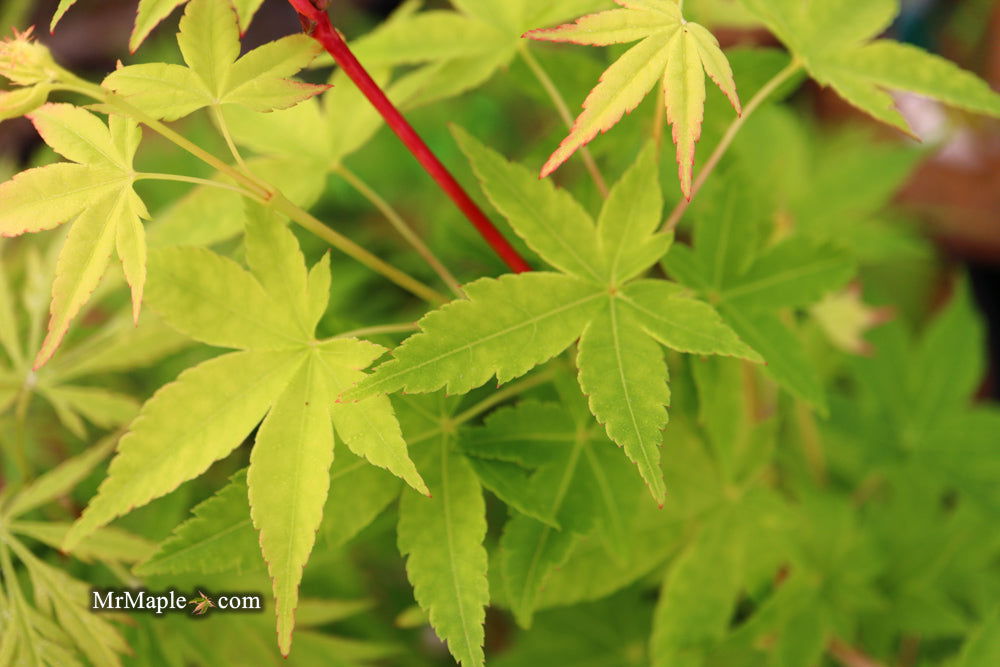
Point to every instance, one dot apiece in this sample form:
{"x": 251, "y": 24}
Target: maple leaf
{"x": 216, "y": 74}
{"x": 280, "y": 374}
{"x": 96, "y": 189}
{"x": 151, "y": 12}
{"x": 509, "y": 325}
{"x": 676, "y": 51}
{"x": 834, "y": 40}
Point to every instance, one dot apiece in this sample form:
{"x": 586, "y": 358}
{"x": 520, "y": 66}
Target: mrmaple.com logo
{"x": 119, "y": 599}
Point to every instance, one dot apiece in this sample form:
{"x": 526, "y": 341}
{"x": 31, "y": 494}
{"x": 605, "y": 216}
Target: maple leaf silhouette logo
{"x": 202, "y": 604}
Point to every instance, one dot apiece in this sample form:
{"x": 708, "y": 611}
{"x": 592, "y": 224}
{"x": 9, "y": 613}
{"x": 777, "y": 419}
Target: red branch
{"x": 317, "y": 24}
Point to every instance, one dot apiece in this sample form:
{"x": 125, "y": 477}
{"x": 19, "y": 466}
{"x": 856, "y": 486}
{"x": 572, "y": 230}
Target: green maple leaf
{"x": 676, "y": 51}
{"x": 568, "y": 469}
{"x": 216, "y": 74}
{"x": 509, "y": 325}
{"x": 281, "y": 374}
{"x": 917, "y": 395}
{"x": 116, "y": 346}
{"x": 151, "y": 12}
{"x": 454, "y": 51}
{"x": 835, "y": 41}
{"x": 751, "y": 283}
{"x": 96, "y": 189}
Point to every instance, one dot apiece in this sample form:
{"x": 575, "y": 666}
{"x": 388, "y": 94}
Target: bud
{"x": 24, "y": 61}
{"x": 22, "y": 101}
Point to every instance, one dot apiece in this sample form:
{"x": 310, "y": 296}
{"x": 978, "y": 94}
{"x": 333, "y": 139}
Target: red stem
{"x": 317, "y": 25}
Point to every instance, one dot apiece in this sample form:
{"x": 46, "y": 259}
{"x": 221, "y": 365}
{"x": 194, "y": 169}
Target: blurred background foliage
{"x": 885, "y": 551}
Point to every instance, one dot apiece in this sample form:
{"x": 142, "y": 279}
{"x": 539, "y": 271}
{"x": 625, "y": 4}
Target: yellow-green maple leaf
{"x": 95, "y": 188}
{"x": 677, "y": 51}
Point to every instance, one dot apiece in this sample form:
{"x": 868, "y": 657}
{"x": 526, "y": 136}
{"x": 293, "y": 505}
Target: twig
{"x": 317, "y": 25}
{"x": 560, "y": 103}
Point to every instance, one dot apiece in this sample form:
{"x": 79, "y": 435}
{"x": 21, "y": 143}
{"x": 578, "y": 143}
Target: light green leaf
{"x": 548, "y": 218}
{"x": 215, "y": 74}
{"x": 98, "y": 190}
{"x": 782, "y": 351}
{"x": 287, "y": 485}
{"x": 369, "y": 427}
{"x": 101, "y": 407}
{"x": 506, "y": 327}
{"x": 214, "y": 300}
{"x": 681, "y": 323}
{"x": 318, "y": 291}
{"x": 679, "y": 51}
{"x": 698, "y": 596}
{"x": 623, "y": 373}
{"x": 358, "y": 494}
{"x": 79, "y": 136}
{"x": 210, "y": 42}
{"x": 629, "y": 219}
{"x": 983, "y": 646}
{"x": 169, "y": 91}
{"x": 148, "y": 16}
{"x": 579, "y": 479}
{"x": 277, "y": 262}
{"x": 60, "y": 480}
{"x": 796, "y": 272}
{"x": 10, "y": 337}
{"x": 426, "y": 36}
{"x": 832, "y": 38}
{"x": 82, "y": 262}
{"x": 949, "y": 361}
{"x": 442, "y": 538}
{"x": 108, "y": 545}
{"x": 184, "y": 428}
{"x": 45, "y": 197}
{"x": 219, "y": 537}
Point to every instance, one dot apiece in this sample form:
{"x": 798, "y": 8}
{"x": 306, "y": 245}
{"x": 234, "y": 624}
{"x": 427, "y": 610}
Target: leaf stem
{"x": 397, "y": 221}
{"x": 309, "y": 222}
{"x": 223, "y": 127}
{"x": 320, "y": 29}
{"x": 142, "y": 176}
{"x": 560, "y": 103}
{"x": 727, "y": 140}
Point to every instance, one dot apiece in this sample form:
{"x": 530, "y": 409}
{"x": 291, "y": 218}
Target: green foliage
{"x": 823, "y": 485}
{"x": 673, "y": 49}
{"x": 835, "y": 41}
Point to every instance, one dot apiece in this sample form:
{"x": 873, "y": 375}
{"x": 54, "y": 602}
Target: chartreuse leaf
{"x": 185, "y": 427}
{"x": 58, "y": 481}
{"x": 623, "y": 372}
{"x": 96, "y": 189}
{"x": 369, "y": 427}
{"x": 575, "y": 474}
{"x": 215, "y": 74}
{"x": 507, "y": 326}
{"x": 698, "y": 595}
{"x": 288, "y": 481}
{"x": 677, "y": 51}
{"x": 442, "y": 539}
{"x": 151, "y": 12}
{"x": 218, "y": 537}
{"x": 750, "y": 285}
{"x": 833, "y": 40}
{"x": 283, "y": 376}
{"x": 551, "y": 221}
